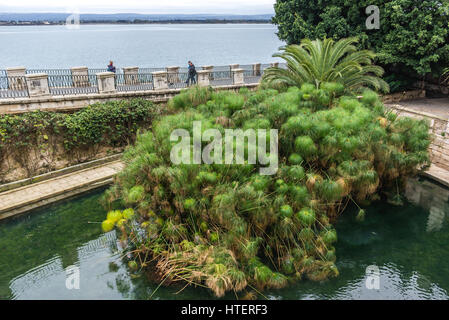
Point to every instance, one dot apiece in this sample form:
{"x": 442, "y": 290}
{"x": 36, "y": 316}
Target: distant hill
{"x": 123, "y": 17}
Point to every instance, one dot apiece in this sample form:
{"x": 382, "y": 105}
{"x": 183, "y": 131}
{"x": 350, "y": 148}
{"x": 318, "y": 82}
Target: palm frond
{"x": 327, "y": 60}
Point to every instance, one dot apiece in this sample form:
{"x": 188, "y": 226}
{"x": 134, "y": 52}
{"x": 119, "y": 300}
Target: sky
{"x": 140, "y": 6}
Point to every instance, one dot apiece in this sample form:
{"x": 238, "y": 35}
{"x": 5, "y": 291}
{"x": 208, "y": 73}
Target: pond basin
{"x": 407, "y": 244}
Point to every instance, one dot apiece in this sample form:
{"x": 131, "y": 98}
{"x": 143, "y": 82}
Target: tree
{"x": 446, "y": 74}
{"x": 325, "y": 60}
{"x": 413, "y": 34}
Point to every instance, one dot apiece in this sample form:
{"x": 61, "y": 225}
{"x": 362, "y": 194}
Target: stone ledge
{"x": 399, "y": 107}
{"x": 79, "y": 101}
{"x": 404, "y": 95}
{"x": 57, "y": 173}
{"x": 49, "y": 201}
{"x": 26, "y": 198}
{"x": 438, "y": 174}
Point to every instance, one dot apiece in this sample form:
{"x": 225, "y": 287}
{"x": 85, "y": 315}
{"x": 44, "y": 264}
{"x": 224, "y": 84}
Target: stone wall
{"x": 439, "y": 148}
{"x": 78, "y": 101}
{"x": 38, "y": 162}
{"x": 406, "y": 95}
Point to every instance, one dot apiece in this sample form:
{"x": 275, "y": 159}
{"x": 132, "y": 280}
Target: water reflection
{"x": 48, "y": 281}
{"x": 432, "y": 197}
{"x": 408, "y": 244}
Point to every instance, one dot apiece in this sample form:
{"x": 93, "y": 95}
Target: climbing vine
{"x": 34, "y": 138}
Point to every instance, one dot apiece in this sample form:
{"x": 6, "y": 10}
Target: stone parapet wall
{"x": 406, "y": 95}
{"x": 439, "y": 148}
{"x": 79, "y": 101}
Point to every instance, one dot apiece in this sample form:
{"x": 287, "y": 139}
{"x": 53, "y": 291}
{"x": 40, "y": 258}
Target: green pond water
{"x": 408, "y": 244}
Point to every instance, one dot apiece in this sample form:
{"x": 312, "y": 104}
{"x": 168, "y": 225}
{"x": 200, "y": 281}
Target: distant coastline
{"x": 48, "y": 18}
{"x": 90, "y": 22}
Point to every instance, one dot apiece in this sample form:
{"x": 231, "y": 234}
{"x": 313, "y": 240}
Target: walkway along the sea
{"x": 23, "y": 90}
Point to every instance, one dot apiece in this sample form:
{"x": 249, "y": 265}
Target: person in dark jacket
{"x": 191, "y": 74}
{"x": 111, "y": 67}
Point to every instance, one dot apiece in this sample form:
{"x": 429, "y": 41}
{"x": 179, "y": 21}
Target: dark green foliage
{"x": 227, "y": 226}
{"x": 413, "y": 34}
{"x": 110, "y": 124}
{"x": 333, "y": 66}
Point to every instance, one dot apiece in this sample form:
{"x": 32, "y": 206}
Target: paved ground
{"x": 439, "y": 107}
{"x": 438, "y": 174}
{"x": 18, "y": 200}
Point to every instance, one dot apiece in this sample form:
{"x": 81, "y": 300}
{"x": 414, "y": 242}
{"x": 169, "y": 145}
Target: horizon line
{"x": 153, "y": 13}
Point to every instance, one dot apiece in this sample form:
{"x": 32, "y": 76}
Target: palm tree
{"x": 327, "y": 61}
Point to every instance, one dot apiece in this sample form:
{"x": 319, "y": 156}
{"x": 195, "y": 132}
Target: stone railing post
{"x": 131, "y": 75}
{"x": 210, "y": 69}
{"x": 80, "y": 77}
{"x": 256, "y": 69}
{"x": 234, "y": 66}
{"x": 106, "y": 82}
{"x": 173, "y": 74}
{"x": 274, "y": 64}
{"x": 203, "y": 78}
{"x": 16, "y": 78}
{"x": 160, "y": 80}
{"x": 37, "y": 84}
{"x": 237, "y": 76}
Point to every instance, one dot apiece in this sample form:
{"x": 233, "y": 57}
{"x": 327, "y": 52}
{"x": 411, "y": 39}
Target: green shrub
{"x": 40, "y": 134}
{"x": 240, "y": 225}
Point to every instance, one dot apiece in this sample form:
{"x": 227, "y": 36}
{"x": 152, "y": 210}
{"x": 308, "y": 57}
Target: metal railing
{"x": 150, "y": 70}
{"x": 72, "y": 84}
{"x": 50, "y": 72}
{"x": 178, "y": 80}
{"x": 134, "y": 82}
{"x": 13, "y": 87}
{"x": 94, "y": 71}
{"x": 64, "y": 82}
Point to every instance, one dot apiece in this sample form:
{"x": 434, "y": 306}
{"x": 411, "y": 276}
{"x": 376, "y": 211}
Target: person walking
{"x": 111, "y": 67}
{"x": 191, "y": 74}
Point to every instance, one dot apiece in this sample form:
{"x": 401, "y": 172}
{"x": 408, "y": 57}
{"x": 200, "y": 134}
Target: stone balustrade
{"x": 173, "y": 75}
{"x": 160, "y": 80}
{"x": 131, "y": 75}
{"x": 16, "y": 78}
{"x": 37, "y": 84}
{"x": 234, "y": 66}
{"x": 203, "y": 78}
{"x": 106, "y": 82}
{"x": 18, "y": 82}
{"x": 257, "y": 69}
{"x": 80, "y": 76}
{"x": 237, "y": 76}
{"x": 210, "y": 69}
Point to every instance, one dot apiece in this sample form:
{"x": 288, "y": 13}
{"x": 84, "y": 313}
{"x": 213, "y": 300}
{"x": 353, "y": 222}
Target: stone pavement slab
{"x": 28, "y": 197}
{"x": 438, "y": 174}
{"x": 436, "y": 106}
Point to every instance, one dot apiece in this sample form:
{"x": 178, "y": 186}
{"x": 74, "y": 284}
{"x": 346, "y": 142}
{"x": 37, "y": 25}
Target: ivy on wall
{"x": 39, "y": 135}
